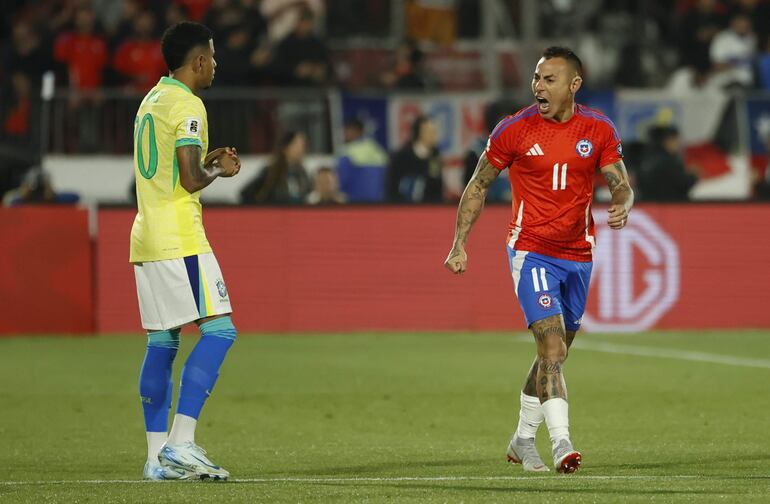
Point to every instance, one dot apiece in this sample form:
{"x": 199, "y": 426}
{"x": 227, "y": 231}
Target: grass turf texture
{"x": 393, "y": 418}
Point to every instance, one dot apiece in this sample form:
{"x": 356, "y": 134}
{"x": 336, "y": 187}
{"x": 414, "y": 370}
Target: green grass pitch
{"x": 659, "y": 417}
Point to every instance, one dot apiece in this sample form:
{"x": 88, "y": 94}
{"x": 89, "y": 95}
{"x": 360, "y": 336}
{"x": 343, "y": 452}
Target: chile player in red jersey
{"x": 552, "y": 150}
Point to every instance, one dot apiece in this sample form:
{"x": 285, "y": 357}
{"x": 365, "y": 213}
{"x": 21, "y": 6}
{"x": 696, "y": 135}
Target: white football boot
{"x": 191, "y": 458}
{"x": 156, "y": 472}
{"x": 565, "y": 458}
{"x": 523, "y": 451}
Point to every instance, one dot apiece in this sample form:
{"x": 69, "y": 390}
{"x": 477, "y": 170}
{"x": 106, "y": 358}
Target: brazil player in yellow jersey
{"x": 178, "y": 280}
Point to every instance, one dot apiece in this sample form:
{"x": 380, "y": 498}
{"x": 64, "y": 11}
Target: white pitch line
{"x": 393, "y": 479}
{"x": 665, "y": 353}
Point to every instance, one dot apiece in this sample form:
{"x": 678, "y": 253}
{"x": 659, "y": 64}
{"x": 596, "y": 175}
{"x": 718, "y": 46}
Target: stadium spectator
{"x": 233, "y": 55}
{"x": 697, "y": 29}
{"x": 139, "y": 59}
{"x": 83, "y": 51}
{"x": 284, "y": 179}
{"x": 283, "y": 16}
{"x": 225, "y": 15}
{"x": 108, "y": 13}
{"x": 732, "y": 53}
{"x": 36, "y": 188}
{"x": 27, "y": 54}
{"x": 361, "y": 167}
{"x": 756, "y": 10}
{"x": 415, "y": 170}
{"x": 16, "y": 122}
{"x": 302, "y": 59}
{"x": 689, "y": 79}
{"x": 325, "y": 189}
{"x": 125, "y": 26}
{"x": 242, "y": 49}
{"x": 85, "y": 54}
{"x": 662, "y": 175}
{"x": 408, "y": 71}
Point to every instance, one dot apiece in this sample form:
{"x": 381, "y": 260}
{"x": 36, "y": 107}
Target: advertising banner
{"x": 46, "y": 275}
{"x": 381, "y": 268}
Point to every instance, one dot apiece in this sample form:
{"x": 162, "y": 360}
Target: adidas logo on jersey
{"x": 535, "y": 150}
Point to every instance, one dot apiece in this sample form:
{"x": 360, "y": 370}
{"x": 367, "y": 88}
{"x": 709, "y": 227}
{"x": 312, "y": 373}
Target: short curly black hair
{"x": 567, "y": 54}
{"x": 179, "y": 39}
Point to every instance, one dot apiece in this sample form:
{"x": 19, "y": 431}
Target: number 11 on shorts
{"x": 536, "y": 283}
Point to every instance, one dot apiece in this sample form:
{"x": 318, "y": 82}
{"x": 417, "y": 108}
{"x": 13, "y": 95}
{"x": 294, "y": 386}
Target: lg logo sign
{"x": 635, "y": 278}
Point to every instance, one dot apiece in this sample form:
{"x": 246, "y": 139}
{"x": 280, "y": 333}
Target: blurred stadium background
{"x": 332, "y": 89}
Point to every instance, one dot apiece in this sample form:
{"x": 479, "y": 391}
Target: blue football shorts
{"x": 549, "y": 286}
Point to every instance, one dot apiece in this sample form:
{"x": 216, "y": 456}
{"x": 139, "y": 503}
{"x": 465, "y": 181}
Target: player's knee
{"x": 553, "y": 350}
{"x": 221, "y": 327}
{"x": 164, "y": 339}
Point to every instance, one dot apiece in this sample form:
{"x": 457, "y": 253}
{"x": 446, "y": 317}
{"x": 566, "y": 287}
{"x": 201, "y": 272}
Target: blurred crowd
{"x": 682, "y": 45}
{"x": 101, "y": 43}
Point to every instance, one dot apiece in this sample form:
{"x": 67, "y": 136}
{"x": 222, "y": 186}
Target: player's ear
{"x": 577, "y": 81}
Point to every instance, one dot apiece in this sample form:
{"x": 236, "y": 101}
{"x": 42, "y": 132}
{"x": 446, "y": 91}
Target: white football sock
{"x": 530, "y": 416}
{"x": 155, "y": 441}
{"x": 556, "y": 413}
{"x": 183, "y": 430}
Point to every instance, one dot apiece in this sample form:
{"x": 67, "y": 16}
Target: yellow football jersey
{"x": 169, "y": 223}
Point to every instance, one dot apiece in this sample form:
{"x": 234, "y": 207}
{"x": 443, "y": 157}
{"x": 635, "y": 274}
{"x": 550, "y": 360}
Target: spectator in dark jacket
{"x": 302, "y": 59}
{"x": 663, "y": 175}
{"x": 415, "y": 171}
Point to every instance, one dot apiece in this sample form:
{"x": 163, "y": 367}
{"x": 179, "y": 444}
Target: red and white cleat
{"x": 566, "y": 459}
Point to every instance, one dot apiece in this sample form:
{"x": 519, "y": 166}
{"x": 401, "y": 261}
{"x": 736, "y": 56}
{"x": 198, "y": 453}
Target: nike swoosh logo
{"x": 204, "y": 462}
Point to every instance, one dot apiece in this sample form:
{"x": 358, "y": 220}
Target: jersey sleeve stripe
{"x": 603, "y": 118}
{"x": 188, "y": 141}
{"x": 527, "y": 112}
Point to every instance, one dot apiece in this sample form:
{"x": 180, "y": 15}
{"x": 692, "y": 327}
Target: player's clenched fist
{"x": 618, "y": 217}
{"x": 457, "y": 260}
{"x": 227, "y": 159}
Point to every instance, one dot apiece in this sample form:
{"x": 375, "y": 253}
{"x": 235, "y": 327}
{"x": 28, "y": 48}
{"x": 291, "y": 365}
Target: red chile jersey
{"x": 552, "y": 167}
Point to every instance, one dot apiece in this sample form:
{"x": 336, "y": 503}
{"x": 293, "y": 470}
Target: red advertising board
{"x": 380, "y": 268}
{"x": 46, "y": 281}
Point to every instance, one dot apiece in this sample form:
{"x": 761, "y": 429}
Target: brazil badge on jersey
{"x": 169, "y": 222}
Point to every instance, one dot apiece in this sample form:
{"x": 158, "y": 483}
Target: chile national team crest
{"x": 584, "y": 148}
{"x": 545, "y": 301}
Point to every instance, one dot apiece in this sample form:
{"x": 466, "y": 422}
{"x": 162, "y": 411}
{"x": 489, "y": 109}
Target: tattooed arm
{"x": 622, "y": 195}
{"x": 194, "y": 175}
{"x": 468, "y": 211}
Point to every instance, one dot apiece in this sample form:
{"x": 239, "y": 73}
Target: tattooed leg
{"x": 530, "y": 388}
{"x": 530, "y": 385}
{"x": 551, "y": 351}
